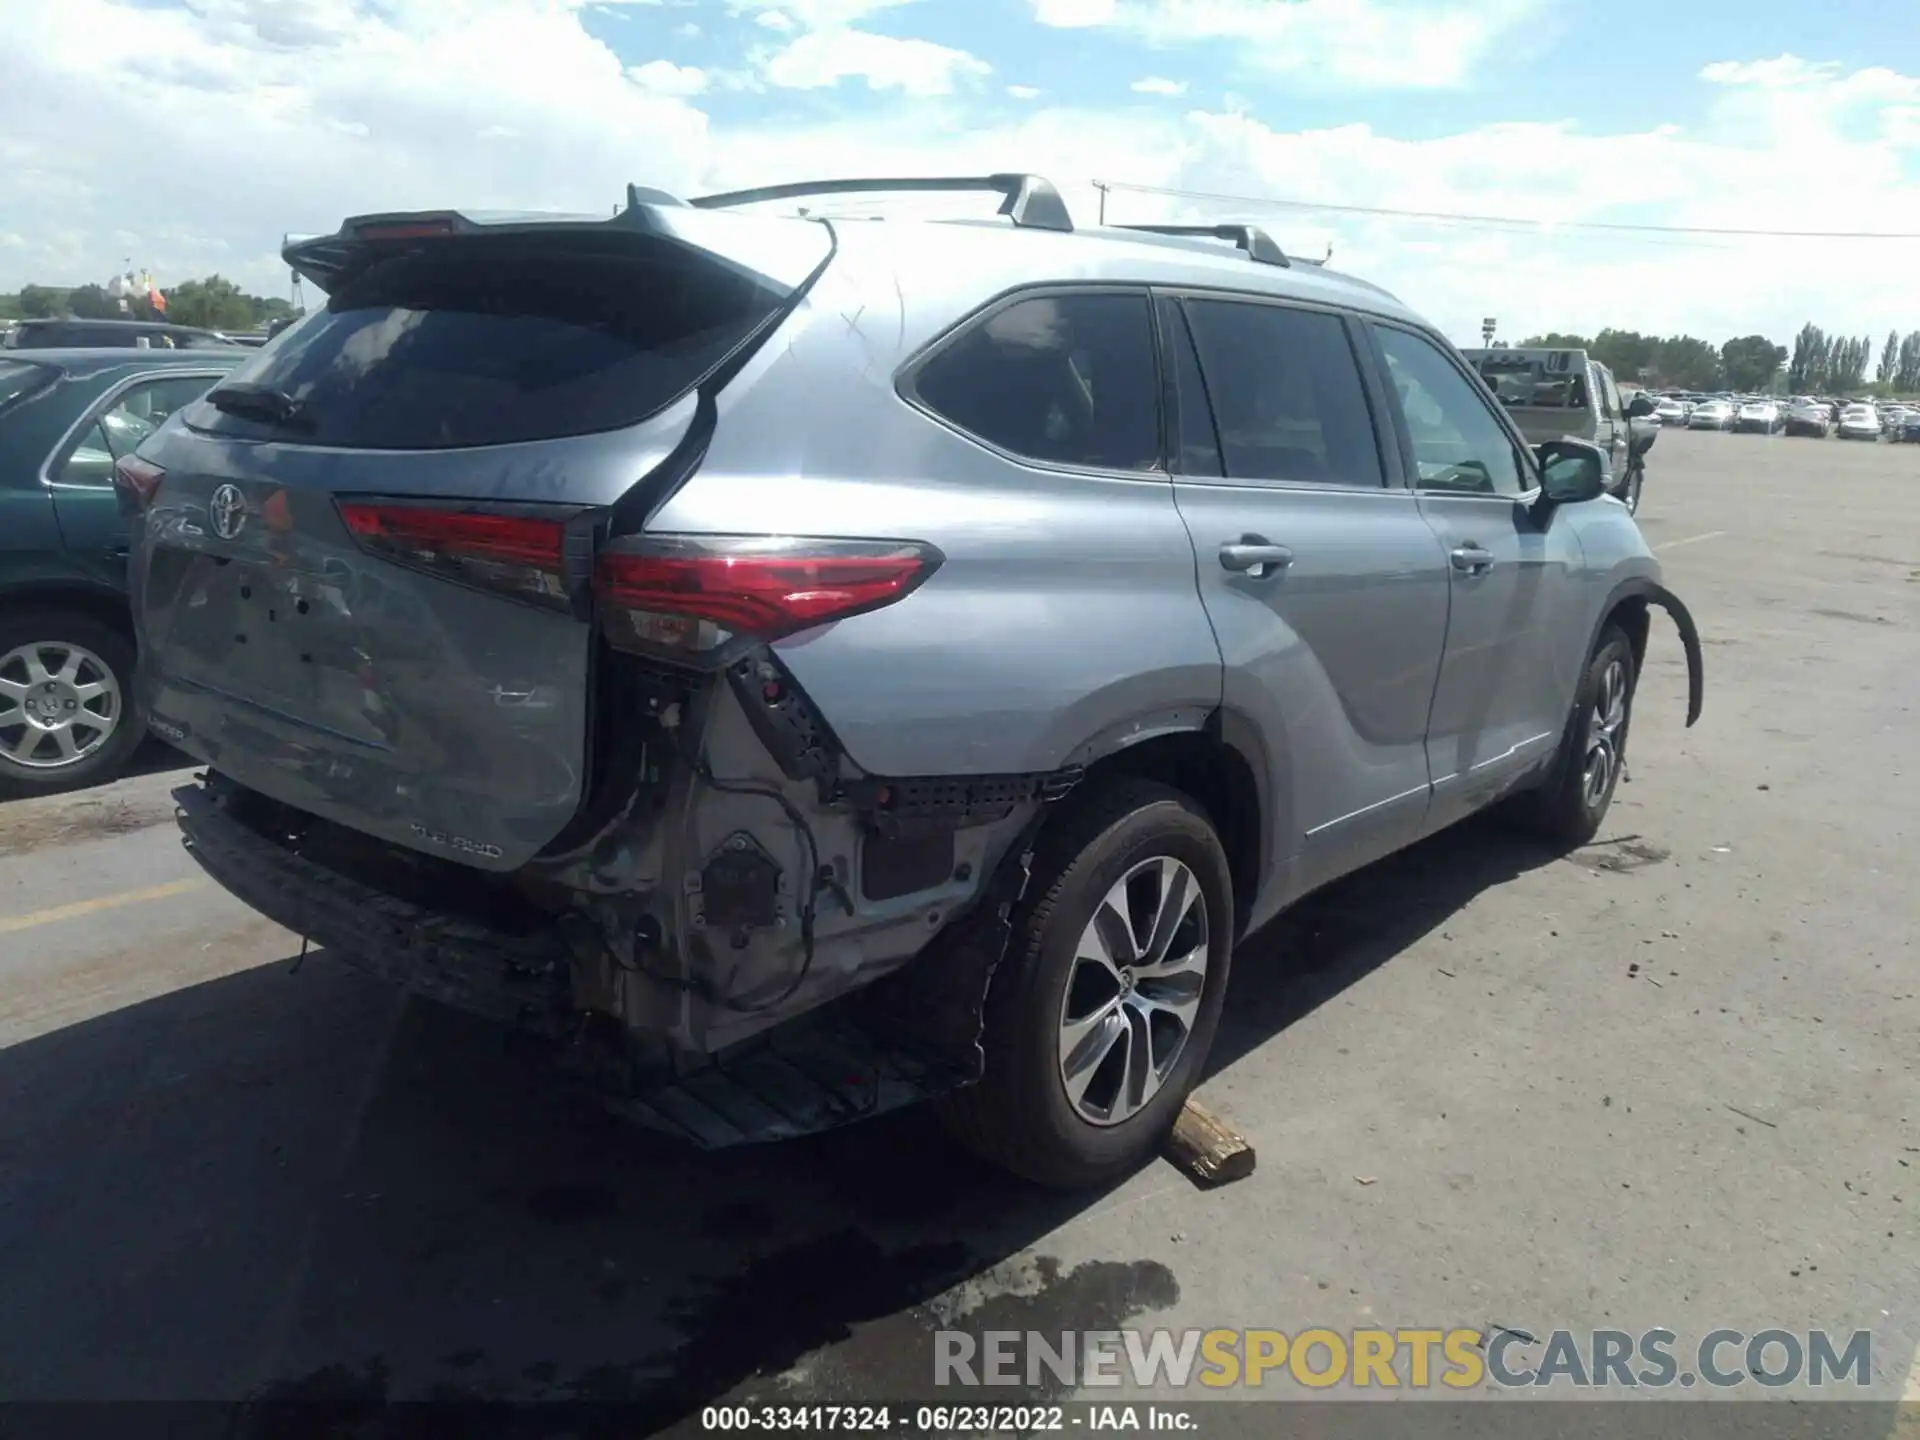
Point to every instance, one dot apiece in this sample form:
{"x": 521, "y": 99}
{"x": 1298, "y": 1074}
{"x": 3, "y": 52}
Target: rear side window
{"x": 488, "y": 340}
{"x": 1065, "y": 379}
{"x": 1287, "y": 394}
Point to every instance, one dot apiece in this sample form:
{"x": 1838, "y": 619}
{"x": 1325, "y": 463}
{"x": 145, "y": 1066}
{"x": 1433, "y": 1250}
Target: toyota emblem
{"x": 228, "y": 510}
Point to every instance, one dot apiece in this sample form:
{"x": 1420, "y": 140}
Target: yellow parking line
{"x": 1691, "y": 540}
{"x": 11, "y": 923}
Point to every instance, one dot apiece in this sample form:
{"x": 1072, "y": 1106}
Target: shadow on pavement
{"x": 301, "y": 1185}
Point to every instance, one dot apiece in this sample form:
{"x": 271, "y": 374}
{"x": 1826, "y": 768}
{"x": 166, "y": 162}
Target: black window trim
{"x": 1386, "y": 449}
{"x": 1167, "y": 313}
{"x": 69, "y": 442}
{"x": 1529, "y": 462}
{"x": 906, "y": 378}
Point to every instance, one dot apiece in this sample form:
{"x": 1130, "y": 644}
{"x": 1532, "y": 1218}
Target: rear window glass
{"x": 1553, "y": 380}
{"x": 18, "y": 379}
{"x": 488, "y": 340}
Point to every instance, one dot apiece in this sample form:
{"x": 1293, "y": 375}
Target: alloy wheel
{"x": 59, "y": 703}
{"x": 1133, "y": 991}
{"x": 1604, "y": 724}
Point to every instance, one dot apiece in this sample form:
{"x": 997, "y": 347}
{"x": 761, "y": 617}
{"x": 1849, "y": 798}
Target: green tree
{"x": 1554, "y": 340}
{"x": 91, "y": 302}
{"x": 1751, "y": 361}
{"x": 1906, "y": 375}
{"x": 1807, "y": 370}
{"x": 38, "y": 302}
{"x": 1688, "y": 362}
{"x": 214, "y": 303}
{"x": 1889, "y": 358}
{"x": 1625, "y": 352}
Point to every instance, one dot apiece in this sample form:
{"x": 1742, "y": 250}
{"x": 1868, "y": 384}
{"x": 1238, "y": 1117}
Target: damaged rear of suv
{"x": 766, "y": 660}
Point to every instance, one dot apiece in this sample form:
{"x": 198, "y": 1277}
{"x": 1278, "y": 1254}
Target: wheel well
{"x": 1631, "y": 616}
{"x": 102, "y": 605}
{"x": 1217, "y": 777}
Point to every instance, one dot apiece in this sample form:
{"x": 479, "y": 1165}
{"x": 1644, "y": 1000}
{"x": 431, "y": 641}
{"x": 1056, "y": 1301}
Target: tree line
{"x": 211, "y": 303}
{"x": 1747, "y": 362}
{"x": 1818, "y": 363}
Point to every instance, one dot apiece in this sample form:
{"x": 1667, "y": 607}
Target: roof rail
{"x": 1256, "y": 242}
{"x": 1028, "y": 200}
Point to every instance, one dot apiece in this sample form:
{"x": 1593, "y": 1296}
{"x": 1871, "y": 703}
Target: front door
{"x": 1507, "y": 679}
{"x": 80, "y": 473}
{"x": 1326, "y": 588}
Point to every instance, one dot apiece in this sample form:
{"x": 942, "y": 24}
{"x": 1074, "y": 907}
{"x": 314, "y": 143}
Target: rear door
{"x": 1326, "y": 588}
{"x": 1507, "y": 679}
{"x": 362, "y": 587}
{"x": 79, "y": 471}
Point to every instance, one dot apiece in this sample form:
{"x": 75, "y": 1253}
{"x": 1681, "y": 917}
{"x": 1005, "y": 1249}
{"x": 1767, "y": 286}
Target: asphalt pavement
{"x": 1670, "y": 1079}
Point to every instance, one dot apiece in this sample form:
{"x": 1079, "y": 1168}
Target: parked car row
{"x": 1802, "y": 415}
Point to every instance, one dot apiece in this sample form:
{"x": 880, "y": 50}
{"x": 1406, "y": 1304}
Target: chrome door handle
{"x": 1252, "y": 555}
{"x": 1473, "y": 559}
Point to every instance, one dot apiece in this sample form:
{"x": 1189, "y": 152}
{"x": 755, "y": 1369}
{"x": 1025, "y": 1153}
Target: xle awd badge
{"x": 228, "y": 511}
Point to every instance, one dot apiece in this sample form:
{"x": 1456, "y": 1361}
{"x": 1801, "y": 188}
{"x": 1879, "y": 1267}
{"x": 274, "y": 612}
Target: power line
{"x": 1511, "y": 221}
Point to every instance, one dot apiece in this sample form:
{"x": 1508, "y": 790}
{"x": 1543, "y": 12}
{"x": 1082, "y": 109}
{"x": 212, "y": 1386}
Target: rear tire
{"x": 64, "y": 674}
{"x": 1570, "y": 806}
{"x": 1088, "y": 1063}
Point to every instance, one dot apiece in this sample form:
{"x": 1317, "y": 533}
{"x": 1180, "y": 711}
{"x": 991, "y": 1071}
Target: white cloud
{"x": 1074, "y": 14}
{"x": 687, "y": 30}
{"x": 663, "y": 77}
{"x": 271, "y": 118}
{"x": 776, "y": 20}
{"x": 826, "y": 57}
{"x": 1159, "y": 85}
{"x": 1409, "y": 44}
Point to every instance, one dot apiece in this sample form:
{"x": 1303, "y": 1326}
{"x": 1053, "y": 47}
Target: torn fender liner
{"x": 1690, "y": 640}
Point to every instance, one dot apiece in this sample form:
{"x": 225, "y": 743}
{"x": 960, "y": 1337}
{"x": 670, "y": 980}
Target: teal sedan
{"x": 67, "y": 714}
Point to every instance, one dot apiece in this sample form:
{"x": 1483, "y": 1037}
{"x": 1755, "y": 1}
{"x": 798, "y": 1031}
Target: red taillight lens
{"x": 519, "y": 555}
{"x": 694, "y": 594}
{"x": 136, "y": 482}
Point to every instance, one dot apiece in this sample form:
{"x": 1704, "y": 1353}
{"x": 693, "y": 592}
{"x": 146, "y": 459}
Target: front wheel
{"x": 1102, "y": 1012}
{"x": 1572, "y": 803}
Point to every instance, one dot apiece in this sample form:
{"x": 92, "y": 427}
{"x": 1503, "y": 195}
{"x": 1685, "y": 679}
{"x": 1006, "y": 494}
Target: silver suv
{"x": 649, "y": 630}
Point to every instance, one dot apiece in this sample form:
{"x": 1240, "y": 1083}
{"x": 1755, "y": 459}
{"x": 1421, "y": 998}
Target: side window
{"x": 90, "y": 462}
{"x": 119, "y": 429}
{"x": 1287, "y": 394}
{"x": 1458, "y": 443}
{"x": 1065, "y": 379}
{"x": 1199, "y": 443}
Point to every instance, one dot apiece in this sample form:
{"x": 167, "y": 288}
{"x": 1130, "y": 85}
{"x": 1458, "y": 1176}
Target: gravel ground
{"x": 1669, "y": 1080}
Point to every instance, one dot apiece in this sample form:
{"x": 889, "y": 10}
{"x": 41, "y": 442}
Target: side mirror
{"x": 1572, "y": 471}
{"x": 1640, "y": 406}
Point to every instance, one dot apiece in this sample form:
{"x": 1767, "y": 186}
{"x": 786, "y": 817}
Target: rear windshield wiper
{"x": 259, "y": 402}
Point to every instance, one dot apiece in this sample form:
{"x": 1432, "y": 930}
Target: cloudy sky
{"x": 189, "y": 135}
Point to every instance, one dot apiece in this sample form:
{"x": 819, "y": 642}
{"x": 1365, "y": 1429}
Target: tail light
{"x": 520, "y": 555}
{"x": 691, "y": 596}
{"x": 136, "y": 482}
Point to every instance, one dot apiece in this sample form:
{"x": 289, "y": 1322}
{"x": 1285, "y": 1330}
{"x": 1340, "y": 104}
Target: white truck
{"x": 1556, "y": 393}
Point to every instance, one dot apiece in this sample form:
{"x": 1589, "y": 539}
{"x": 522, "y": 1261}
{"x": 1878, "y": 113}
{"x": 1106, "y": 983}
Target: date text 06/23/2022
{"x": 947, "y": 1419}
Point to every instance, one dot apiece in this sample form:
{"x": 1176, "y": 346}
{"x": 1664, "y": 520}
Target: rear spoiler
{"x": 765, "y": 248}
